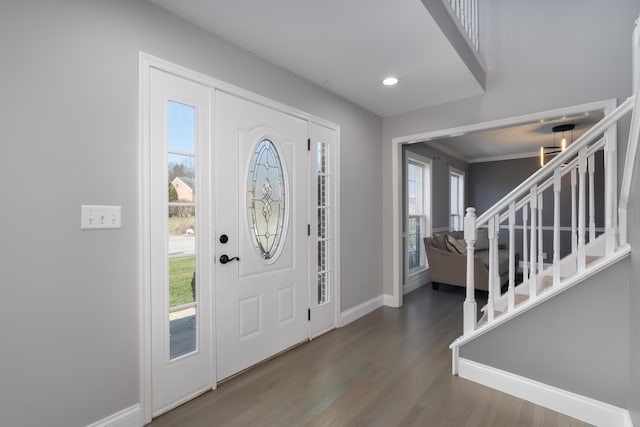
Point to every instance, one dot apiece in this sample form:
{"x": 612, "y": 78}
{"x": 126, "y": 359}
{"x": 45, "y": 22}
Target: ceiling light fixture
{"x": 555, "y": 149}
{"x": 390, "y": 81}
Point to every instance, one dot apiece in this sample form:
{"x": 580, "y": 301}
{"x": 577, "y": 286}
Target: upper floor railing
{"x": 467, "y": 13}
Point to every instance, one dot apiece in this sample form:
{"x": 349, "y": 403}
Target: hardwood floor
{"x": 389, "y": 368}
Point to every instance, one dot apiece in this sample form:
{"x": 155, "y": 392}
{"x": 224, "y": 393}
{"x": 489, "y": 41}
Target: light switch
{"x": 93, "y": 216}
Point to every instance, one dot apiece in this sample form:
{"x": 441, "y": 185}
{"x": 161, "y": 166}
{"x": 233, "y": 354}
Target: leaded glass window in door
{"x": 266, "y": 199}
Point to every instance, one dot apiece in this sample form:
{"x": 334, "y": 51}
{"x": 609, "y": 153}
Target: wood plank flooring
{"x": 389, "y": 368}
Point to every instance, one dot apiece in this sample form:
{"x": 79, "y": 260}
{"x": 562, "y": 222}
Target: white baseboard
{"x": 129, "y": 417}
{"x": 574, "y": 405}
{"x": 415, "y": 281}
{"x": 387, "y": 300}
{"x": 362, "y": 309}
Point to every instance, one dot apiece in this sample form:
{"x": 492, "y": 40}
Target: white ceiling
{"x": 345, "y": 46}
{"x": 513, "y": 142}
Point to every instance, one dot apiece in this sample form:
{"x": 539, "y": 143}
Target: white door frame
{"x": 607, "y": 106}
{"x": 145, "y": 63}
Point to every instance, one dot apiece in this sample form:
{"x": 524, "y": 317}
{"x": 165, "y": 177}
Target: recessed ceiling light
{"x": 390, "y": 81}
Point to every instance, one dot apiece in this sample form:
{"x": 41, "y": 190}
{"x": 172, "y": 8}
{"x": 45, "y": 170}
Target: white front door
{"x": 180, "y": 245}
{"x": 261, "y": 210}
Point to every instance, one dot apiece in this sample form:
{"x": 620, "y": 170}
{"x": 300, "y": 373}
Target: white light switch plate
{"x": 101, "y": 217}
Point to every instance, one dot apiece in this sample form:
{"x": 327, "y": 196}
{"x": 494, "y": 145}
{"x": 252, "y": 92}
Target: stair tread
{"x": 592, "y": 258}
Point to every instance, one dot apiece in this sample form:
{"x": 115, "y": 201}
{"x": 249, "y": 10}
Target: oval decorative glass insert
{"x": 266, "y": 199}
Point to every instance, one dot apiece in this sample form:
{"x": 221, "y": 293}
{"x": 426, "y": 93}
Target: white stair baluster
{"x": 496, "y": 259}
{"x": 470, "y": 313}
{"x": 591, "y": 168}
{"x": 582, "y": 172}
{"x": 574, "y": 213}
{"x": 512, "y": 256}
{"x": 540, "y": 245}
{"x": 492, "y": 266}
{"x": 533, "y": 276}
{"x": 477, "y": 29}
{"x": 609, "y": 191}
{"x": 525, "y": 243}
{"x": 557, "y": 183}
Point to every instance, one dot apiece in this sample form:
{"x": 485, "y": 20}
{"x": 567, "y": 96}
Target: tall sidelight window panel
{"x": 181, "y": 212}
{"x": 323, "y": 232}
{"x": 456, "y": 199}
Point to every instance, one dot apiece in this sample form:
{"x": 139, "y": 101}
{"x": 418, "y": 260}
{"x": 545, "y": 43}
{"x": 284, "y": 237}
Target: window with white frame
{"x": 456, "y": 199}
{"x": 418, "y": 187}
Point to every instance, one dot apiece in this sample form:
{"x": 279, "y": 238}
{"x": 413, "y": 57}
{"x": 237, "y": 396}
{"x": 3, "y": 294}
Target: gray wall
{"x": 540, "y": 55}
{"x": 440, "y": 181}
{"x": 69, "y": 120}
{"x": 577, "y": 341}
{"x": 490, "y": 181}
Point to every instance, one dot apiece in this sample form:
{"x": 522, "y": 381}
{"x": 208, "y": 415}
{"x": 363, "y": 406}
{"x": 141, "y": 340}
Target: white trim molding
{"x": 354, "y": 313}
{"x": 574, "y": 405}
{"x": 129, "y": 417}
{"x": 387, "y": 300}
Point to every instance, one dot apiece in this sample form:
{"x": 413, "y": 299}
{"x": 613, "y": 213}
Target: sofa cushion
{"x": 454, "y": 245}
{"x": 457, "y": 234}
{"x": 437, "y": 240}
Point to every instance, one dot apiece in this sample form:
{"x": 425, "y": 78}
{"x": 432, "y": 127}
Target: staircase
{"x": 520, "y": 213}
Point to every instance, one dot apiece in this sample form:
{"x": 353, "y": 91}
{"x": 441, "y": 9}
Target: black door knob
{"x": 224, "y": 238}
{"x": 225, "y": 259}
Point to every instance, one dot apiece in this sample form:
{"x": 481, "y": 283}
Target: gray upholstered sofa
{"x": 448, "y": 266}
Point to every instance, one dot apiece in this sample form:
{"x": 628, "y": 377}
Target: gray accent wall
{"x": 576, "y": 341}
{"x": 69, "y": 120}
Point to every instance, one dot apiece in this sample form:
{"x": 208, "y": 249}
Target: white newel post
{"x": 582, "y": 172}
{"x": 470, "y": 309}
{"x": 533, "y": 276}
{"x": 512, "y": 256}
{"x": 591, "y": 166}
{"x": 557, "y": 185}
